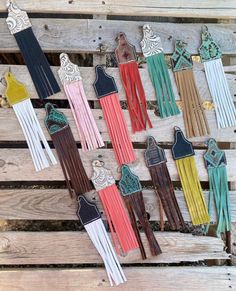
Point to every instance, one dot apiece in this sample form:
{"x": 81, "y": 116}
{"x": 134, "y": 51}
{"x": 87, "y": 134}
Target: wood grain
{"x": 175, "y": 8}
{"x": 76, "y": 248}
{"x": 55, "y": 204}
{"x": 86, "y": 35}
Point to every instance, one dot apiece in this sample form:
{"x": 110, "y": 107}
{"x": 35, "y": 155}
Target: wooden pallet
{"x": 67, "y": 260}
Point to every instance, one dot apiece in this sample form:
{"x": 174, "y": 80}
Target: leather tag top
{"x": 101, "y": 177}
{"x": 104, "y": 84}
{"x": 68, "y": 71}
{"x": 214, "y": 157}
{"x": 154, "y": 155}
{"x": 129, "y": 183}
{"x": 181, "y": 59}
{"x": 181, "y": 148}
{"x": 54, "y": 120}
{"x": 15, "y": 91}
{"x": 87, "y": 211}
{"x": 125, "y": 51}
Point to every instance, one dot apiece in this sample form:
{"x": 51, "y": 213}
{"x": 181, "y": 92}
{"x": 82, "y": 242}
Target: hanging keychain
{"x": 193, "y": 112}
{"x": 129, "y": 73}
{"x": 210, "y": 54}
{"x": 158, "y": 71}
{"x": 215, "y": 161}
{"x": 183, "y": 154}
{"x": 19, "y": 25}
{"x": 18, "y": 97}
{"x": 106, "y": 92}
{"x": 156, "y": 162}
{"x": 131, "y": 191}
{"x": 72, "y": 82}
{"x": 117, "y": 217}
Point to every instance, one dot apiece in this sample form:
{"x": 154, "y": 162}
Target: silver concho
{"x": 68, "y": 71}
{"x": 150, "y": 44}
{"x": 17, "y": 19}
{"x": 102, "y": 177}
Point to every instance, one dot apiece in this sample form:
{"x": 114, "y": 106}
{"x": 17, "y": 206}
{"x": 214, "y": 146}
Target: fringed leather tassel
{"x": 210, "y": 54}
{"x": 117, "y": 217}
{"x": 156, "y": 162}
{"x": 18, "y": 97}
{"x": 131, "y": 190}
{"x": 35, "y": 60}
{"x": 215, "y": 161}
{"x": 194, "y": 116}
{"x": 153, "y": 52}
{"x": 91, "y": 219}
{"x": 106, "y": 92}
{"x": 183, "y": 154}
{"x": 129, "y": 73}
{"x": 72, "y": 82}
{"x": 67, "y": 151}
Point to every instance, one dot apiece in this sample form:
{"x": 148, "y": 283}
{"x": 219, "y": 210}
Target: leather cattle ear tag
{"x": 106, "y": 92}
{"x": 156, "y": 162}
{"x": 183, "y": 154}
{"x": 91, "y": 219}
{"x": 131, "y": 191}
{"x": 215, "y": 161}
{"x": 153, "y": 52}
{"x": 18, "y": 97}
{"x": 129, "y": 74}
{"x": 71, "y": 79}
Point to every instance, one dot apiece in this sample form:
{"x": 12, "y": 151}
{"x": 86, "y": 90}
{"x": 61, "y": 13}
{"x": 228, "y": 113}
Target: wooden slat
{"x": 162, "y": 128}
{"x": 16, "y": 165}
{"x": 39, "y": 204}
{"x": 175, "y": 8}
{"x": 76, "y": 248}
{"x": 139, "y": 278}
{"x": 86, "y": 35}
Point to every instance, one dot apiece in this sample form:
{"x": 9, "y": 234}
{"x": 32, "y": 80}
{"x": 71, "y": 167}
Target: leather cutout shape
{"x": 209, "y": 49}
{"x": 214, "y": 157}
{"x": 125, "y": 51}
{"x": 104, "y": 84}
{"x": 17, "y": 19}
{"x": 15, "y": 91}
{"x": 154, "y": 155}
{"x": 182, "y": 147}
{"x": 129, "y": 182}
{"x": 87, "y": 211}
{"x": 181, "y": 59}
{"x": 151, "y": 43}
{"x": 102, "y": 177}
{"x": 54, "y": 120}
{"x": 68, "y": 71}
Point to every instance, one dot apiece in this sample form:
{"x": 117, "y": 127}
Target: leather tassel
{"x": 194, "y": 116}
{"x": 210, "y": 54}
{"x": 19, "y": 25}
{"x": 72, "y": 82}
{"x": 106, "y": 92}
{"x": 117, "y": 217}
{"x": 183, "y": 154}
{"x": 131, "y": 191}
{"x": 156, "y": 162}
{"x": 129, "y": 73}
{"x": 158, "y": 71}
{"x": 215, "y": 161}
{"x": 67, "y": 151}
{"x": 18, "y": 97}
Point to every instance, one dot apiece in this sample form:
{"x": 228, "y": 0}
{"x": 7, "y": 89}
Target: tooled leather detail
{"x": 102, "y": 177}
{"x": 54, "y": 120}
{"x": 129, "y": 182}
{"x": 154, "y": 155}
{"x": 68, "y": 71}
{"x": 17, "y": 19}
{"x": 151, "y": 43}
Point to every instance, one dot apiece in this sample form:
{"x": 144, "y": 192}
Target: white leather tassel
{"x": 101, "y": 241}
{"x": 33, "y": 134}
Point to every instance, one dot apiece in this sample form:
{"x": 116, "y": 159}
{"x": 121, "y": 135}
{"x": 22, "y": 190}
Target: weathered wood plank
{"x": 175, "y": 8}
{"x": 76, "y": 248}
{"x": 16, "y": 165}
{"x": 86, "y": 35}
{"x": 39, "y": 204}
